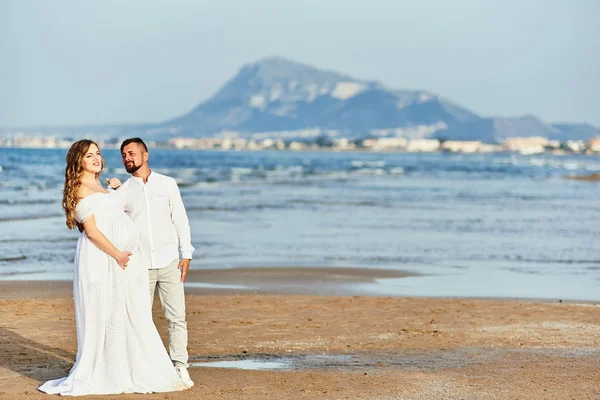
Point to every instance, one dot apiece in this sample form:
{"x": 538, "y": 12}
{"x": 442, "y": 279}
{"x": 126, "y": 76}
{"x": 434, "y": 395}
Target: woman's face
{"x": 92, "y": 160}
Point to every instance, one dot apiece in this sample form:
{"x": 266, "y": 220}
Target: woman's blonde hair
{"x": 73, "y": 173}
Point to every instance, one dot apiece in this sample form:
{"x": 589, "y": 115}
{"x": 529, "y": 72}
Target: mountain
{"x": 282, "y": 98}
{"x": 276, "y": 94}
{"x": 575, "y": 132}
{"x": 495, "y": 130}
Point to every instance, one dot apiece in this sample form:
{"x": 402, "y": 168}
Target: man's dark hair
{"x": 133, "y": 140}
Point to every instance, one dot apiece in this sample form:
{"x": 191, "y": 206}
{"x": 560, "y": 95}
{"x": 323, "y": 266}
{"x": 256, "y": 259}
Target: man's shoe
{"x": 185, "y": 376}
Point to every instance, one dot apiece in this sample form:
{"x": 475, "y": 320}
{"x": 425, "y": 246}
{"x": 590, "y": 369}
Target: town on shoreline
{"x": 523, "y": 145}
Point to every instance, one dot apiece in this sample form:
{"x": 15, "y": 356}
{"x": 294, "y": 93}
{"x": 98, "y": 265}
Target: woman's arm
{"x": 101, "y": 242}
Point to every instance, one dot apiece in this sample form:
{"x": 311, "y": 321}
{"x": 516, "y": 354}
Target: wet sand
{"x": 248, "y": 280}
{"x": 590, "y": 177}
{"x": 339, "y": 347}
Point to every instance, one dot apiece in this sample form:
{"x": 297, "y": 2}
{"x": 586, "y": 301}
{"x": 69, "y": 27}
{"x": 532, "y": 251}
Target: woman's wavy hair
{"x": 73, "y": 174}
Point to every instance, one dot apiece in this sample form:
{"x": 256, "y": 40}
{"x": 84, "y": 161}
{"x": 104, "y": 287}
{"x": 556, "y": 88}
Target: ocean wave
{"x": 523, "y": 270}
{"x": 372, "y": 164}
{"x": 189, "y": 177}
{"x": 269, "y": 178}
{"x": 241, "y": 171}
{"x": 16, "y": 202}
{"x": 378, "y": 259}
{"x": 21, "y": 272}
{"x": 359, "y": 203}
{"x": 278, "y": 174}
{"x": 593, "y": 167}
{"x": 559, "y": 164}
{"x": 369, "y": 171}
{"x": 28, "y": 217}
{"x": 551, "y": 260}
{"x": 237, "y": 208}
{"x": 41, "y": 241}
{"x": 293, "y": 203}
{"x": 28, "y": 185}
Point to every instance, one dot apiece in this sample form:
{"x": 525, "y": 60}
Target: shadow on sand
{"x": 31, "y": 359}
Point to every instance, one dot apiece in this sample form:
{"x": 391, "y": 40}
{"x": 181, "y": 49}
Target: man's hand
{"x": 184, "y": 265}
{"x": 113, "y": 183}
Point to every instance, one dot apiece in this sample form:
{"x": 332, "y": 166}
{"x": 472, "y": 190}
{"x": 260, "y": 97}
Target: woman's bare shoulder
{"x": 85, "y": 191}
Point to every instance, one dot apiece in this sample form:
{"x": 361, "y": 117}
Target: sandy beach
{"x": 328, "y": 345}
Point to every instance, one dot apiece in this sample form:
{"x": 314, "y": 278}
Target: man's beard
{"x": 132, "y": 168}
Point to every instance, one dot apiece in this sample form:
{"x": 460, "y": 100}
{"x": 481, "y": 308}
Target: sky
{"x": 72, "y": 62}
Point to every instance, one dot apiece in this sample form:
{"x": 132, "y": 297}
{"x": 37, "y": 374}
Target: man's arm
{"x": 182, "y": 227}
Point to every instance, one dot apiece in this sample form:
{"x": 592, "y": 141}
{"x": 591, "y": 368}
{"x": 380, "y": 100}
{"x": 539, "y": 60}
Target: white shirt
{"x": 157, "y": 210}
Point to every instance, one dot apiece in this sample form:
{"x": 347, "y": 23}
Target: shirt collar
{"x": 140, "y": 181}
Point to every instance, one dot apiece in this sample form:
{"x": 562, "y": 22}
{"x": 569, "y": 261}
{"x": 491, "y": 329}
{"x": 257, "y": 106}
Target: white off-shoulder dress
{"x": 119, "y": 349}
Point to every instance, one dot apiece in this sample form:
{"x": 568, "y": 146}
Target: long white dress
{"x": 119, "y": 349}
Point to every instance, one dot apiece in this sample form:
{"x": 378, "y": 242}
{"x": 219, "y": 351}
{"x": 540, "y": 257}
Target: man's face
{"x": 134, "y": 156}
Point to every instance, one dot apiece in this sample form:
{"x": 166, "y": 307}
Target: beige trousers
{"x": 170, "y": 290}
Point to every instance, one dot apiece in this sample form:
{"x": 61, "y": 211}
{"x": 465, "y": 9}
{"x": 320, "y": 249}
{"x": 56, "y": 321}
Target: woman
{"x": 119, "y": 349}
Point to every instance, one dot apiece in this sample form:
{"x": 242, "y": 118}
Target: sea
{"x": 498, "y": 225}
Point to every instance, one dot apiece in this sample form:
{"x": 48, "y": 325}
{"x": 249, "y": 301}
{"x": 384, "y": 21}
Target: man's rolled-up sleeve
{"x": 180, "y": 220}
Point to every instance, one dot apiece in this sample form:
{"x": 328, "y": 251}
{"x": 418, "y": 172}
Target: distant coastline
{"x": 522, "y": 145}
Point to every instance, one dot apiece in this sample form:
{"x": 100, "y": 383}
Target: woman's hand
{"x": 123, "y": 258}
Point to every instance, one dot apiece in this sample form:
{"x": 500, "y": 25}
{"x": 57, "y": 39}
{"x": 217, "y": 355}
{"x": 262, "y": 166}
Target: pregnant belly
{"x": 122, "y": 233}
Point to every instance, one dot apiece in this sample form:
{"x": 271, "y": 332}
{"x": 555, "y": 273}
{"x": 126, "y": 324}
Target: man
{"x": 154, "y": 204}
